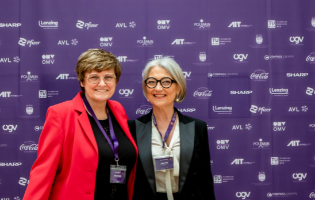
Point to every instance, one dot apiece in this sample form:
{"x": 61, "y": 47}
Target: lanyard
{"x": 168, "y": 131}
{"x": 112, "y": 134}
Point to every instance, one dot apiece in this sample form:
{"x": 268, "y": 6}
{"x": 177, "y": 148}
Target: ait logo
{"x": 261, "y": 176}
{"x": 259, "y": 39}
{"x": 202, "y": 56}
{"x": 29, "y": 109}
{"x": 313, "y": 21}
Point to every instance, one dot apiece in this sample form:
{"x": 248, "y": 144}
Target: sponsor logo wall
{"x": 250, "y": 77}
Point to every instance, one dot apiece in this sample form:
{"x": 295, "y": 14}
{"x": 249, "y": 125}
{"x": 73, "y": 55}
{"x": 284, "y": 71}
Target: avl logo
{"x": 238, "y": 161}
{"x": 9, "y": 128}
{"x": 296, "y": 39}
{"x": 5, "y": 94}
{"x": 299, "y": 176}
{"x": 240, "y": 57}
{"x": 242, "y": 195}
{"x": 294, "y": 143}
{"x": 63, "y": 76}
{"x": 178, "y": 42}
{"x": 121, "y": 25}
{"x": 126, "y": 92}
{"x": 235, "y": 24}
{"x": 237, "y": 127}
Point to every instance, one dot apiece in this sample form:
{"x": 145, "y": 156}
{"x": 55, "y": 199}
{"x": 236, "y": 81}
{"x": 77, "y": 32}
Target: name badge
{"x": 164, "y": 163}
{"x": 118, "y": 174}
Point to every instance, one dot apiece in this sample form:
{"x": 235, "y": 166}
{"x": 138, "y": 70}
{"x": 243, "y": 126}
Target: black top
{"x": 127, "y": 156}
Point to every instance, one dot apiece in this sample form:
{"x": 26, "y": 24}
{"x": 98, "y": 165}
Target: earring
{"x": 148, "y": 100}
{"x": 177, "y": 99}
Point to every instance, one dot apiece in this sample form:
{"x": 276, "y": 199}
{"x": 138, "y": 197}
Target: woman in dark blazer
{"x": 174, "y": 158}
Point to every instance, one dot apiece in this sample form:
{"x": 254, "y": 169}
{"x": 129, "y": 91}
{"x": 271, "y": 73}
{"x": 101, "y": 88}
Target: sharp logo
{"x": 9, "y": 128}
{"x": 299, "y": 176}
{"x": 187, "y": 74}
{"x": 13, "y": 164}
{"x": 310, "y": 91}
{"x": 238, "y": 161}
{"x": 294, "y": 143}
{"x": 23, "y": 181}
{"x": 126, "y": 92}
{"x": 178, "y": 42}
{"x": 242, "y": 195}
{"x": 106, "y": 41}
{"x": 241, "y": 92}
{"x": 14, "y": 25}
{"x": 63, "y": 76}
{"x": 240, "y": 57}
{"x": 24, "y": 42}
{"x": 296, "y": 39}
{"x": 48, "y": 59}
{"x": 163, "y": 24}
{"x": 237, "y": 127}
{"x": 5, "y": 94}
{"x": 187, "y": 109}
{"x": 80, "y": 24}
{"x": 5, "y": 60}
{"x": 235, "y": 24}
{"x": 297, "y": 74}
{"x": 122, "y": 58}
{"x": 121, "y": 25}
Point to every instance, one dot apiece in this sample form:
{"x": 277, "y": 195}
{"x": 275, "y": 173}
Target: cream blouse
{"x": 167, "y": 180}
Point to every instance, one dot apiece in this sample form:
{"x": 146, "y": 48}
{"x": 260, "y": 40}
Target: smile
{"x": 159, "y": 95}
{"x": 101, "y": 90}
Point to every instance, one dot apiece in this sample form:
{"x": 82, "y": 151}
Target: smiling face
{"x": 159, "y": 96}
{"x": 101, "y": 92}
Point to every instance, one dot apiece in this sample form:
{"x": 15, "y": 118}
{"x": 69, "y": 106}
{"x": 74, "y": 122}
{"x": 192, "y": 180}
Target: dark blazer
{"x": 195, "y": 177}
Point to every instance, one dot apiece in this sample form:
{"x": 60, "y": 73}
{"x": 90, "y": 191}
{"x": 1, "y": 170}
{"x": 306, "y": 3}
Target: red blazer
{"x": 67, "y": 157}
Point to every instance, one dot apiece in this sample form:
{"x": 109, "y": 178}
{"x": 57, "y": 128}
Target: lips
{"x": 101, "y": 90}
{"x": 159, "y": 95}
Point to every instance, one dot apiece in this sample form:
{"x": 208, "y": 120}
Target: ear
{"x": 81, "y": 83}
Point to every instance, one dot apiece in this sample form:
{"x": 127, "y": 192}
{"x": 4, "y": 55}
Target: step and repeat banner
{"x": 249, "y": 67}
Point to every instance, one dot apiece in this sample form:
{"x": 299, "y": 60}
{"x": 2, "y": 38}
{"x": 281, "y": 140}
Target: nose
{"x": 158, "y": 86}
{"x": 102, "y": 81}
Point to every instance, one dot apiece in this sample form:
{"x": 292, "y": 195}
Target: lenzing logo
{"x": 223, "y": 144}
{"x": 29, "y": 146}
{"x": 217, "y": 179}
{"x": 48, "y": 59}
{"x": 24, "y": 42}
{"x": 65, "y": 42}
{"x": 48, "y": 24}
{"x": 202, "y": 25}
{"x": 299, "y": 176}
{"x": 260, "y": 110}
{"x": 259, "y": 39}
{"x": 5, "y": 94}
{"x": 311, "y": 58}
{"x": 310, "y": 91}
{"x": 23, "y": 181}
{"x": 222, "y": 109}
{"x": 80, "y": 24}
{"x": 63, "y": 76}
{"x": 261, "y": 144}
{"x": 11, "y": 164}
{"x": 9, "y": 127}
{"x": 145, "y": 42}
{"x": 279, "y": 92}
{"x": 296, "y": 109}
{"x": 123, "y": 25}
{"x": 296, "y": 39}
{"x": 42, "y": 94}
{"x": 297, "y": 74}
{"x": 186, "y": 110}
{"x": 261, "y": 176}
{"x": 240, "y": 57}
{"x": 106, "y": 41}
{"x": 163, "y": 24}
{"x": 10, "y": 25}
{"x": 143, "y": 110}
{"x": 202, "y": 56}
{"x": 260, "y": 75}
{"x": 244, "y": 195}
{"x": 279, "y": 126}
{"x": 242, "y": 92}
{"x": 29, "y": 77}
{"x": 126, "y": 92}
{"x": 203, "y": 93}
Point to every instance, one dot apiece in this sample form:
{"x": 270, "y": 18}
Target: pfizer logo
{"x": 269, "y": 195}
{"x": 267, "y": 57}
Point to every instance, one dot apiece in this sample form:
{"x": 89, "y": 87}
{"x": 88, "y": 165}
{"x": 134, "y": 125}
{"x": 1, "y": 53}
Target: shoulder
{"x": 63, "y": 107}
{"x": 188, "y": 119}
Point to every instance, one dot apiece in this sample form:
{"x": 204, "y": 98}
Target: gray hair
{"x": 171, "y": 67}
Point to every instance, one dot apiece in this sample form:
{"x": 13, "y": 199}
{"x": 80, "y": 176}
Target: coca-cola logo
{"x": 143, "y": 110}
{"x": 311, "y": 57}
{"x": 29, "y": 146}
{"x": 259, "y": 75}
{"x": 203, "y": 93}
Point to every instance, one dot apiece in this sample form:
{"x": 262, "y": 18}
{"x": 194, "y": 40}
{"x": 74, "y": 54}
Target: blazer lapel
{"x": 187, "y": 137}
{"x": 144, "y": 134}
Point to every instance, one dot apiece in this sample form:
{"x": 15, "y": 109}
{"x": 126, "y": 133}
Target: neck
{"x": 99, "y": 108}
{"x": 163, "y": 114}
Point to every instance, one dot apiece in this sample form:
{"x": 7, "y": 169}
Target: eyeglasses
{"x": 165, "y": 82}
{"x": 95, "y": 78}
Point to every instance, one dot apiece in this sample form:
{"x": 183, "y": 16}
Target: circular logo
{"x": 266, "y": 57}
{"x": 269, "y": 194}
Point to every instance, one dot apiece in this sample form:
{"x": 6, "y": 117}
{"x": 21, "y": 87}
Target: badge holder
{"x": 163, "y": 162}
{"x": 118, "y": 173}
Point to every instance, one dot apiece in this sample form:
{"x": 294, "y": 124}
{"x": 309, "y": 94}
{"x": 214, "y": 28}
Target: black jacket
{"x": 195, "y": 178}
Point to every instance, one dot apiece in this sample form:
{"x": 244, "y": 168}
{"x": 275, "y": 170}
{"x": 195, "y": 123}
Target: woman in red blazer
{"x": 86, "y": 151}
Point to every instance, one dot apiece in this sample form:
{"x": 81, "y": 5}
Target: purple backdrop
{"x": 249, "y": 67}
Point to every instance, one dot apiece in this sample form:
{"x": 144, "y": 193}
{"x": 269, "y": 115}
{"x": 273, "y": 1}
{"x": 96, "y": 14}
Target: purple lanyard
{"x": 168, "y": 131}
{"x": 112, "y": 134}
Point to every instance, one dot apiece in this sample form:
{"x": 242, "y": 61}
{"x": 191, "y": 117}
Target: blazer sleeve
{"x": 48, "y": 157}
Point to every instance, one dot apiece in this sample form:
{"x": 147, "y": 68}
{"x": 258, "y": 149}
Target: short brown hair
{"x": 99, "y": 60}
